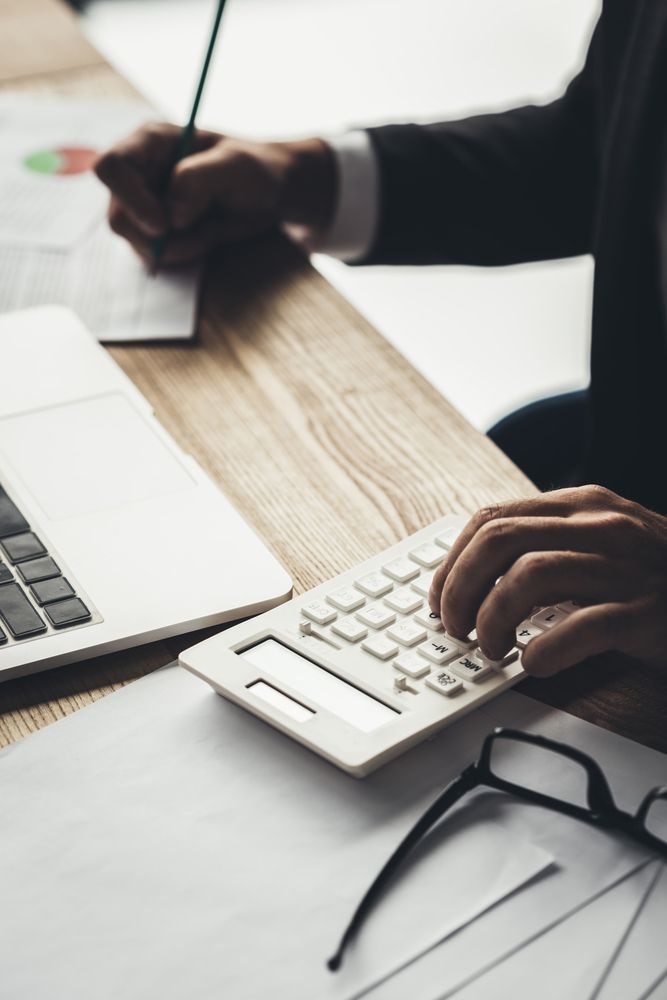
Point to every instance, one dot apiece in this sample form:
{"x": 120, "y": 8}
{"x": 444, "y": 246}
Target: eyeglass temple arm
{"x": 464, "y": 783}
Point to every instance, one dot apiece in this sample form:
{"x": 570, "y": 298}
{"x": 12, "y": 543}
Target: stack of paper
{"x": 165, "y": 843}
{"x": 55, "y": 244}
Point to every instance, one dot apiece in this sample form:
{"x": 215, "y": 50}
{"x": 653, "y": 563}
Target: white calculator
{"x": 358, "y": 669}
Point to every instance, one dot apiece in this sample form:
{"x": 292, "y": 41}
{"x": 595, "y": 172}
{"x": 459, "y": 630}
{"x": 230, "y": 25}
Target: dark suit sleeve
{"x": 492, "y": 189}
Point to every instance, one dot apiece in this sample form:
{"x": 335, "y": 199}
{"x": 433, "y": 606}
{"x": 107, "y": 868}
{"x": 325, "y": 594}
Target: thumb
{"x": 193, "y": 186}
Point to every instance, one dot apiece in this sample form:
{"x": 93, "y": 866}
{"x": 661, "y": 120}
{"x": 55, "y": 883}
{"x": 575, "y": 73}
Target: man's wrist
{"x": 310, "y": 187}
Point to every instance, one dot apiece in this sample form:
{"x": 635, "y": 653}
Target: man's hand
{"x": 225, "y": 190}
{"x": 587, "y": 545}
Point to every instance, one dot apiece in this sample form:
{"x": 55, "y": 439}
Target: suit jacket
{"x": 584, "y": 174}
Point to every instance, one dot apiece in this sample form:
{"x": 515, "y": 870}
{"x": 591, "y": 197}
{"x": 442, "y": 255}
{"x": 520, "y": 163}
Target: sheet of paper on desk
{"x": 640, "y": 970}
{"x": 589, "y": 864}
{"x": 106, "y": 284}
{"x": 48, "y": 196}
{"x": 55, "y": 245}
{"x": 570, "y": 960}
{"x": 165, "y": 843}
{"x": 179, "y": 826}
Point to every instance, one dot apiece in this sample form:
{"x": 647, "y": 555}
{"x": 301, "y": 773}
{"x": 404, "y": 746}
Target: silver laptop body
{"x": 110, "y": 535}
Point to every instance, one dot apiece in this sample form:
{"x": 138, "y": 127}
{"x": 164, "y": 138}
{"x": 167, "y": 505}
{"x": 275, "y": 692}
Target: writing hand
{"x": 224, "y": 191}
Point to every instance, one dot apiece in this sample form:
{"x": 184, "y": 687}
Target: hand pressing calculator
{"x": 359, "y": 669}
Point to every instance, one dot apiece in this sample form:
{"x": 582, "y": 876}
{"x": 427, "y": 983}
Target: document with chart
{"x": 55, "y": 244}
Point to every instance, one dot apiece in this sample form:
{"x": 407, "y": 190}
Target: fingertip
{"x": 103, "y": 167}
{"x": 536, "y": 665}
{"x": 495, "y": 650}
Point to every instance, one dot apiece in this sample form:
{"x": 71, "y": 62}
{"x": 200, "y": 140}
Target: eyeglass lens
{"x": 539, "y": 770}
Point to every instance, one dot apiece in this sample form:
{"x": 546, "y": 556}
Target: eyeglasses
{"x": 493, "y": 771}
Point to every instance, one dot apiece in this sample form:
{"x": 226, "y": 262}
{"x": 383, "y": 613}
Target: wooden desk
{"x": 293, "y": 403}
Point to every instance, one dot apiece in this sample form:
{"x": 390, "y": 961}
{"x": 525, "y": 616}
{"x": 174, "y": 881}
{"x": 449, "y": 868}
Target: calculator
{"x": 358, "y": 669}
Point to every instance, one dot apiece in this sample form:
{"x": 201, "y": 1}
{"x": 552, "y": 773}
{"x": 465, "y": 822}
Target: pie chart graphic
{"x": 65, "y": 161}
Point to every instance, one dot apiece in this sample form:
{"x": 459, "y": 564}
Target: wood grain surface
{"x": 324, "y": 437}
{"x": 41, "y": 37}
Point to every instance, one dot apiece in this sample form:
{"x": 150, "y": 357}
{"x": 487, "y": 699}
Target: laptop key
{"x": 21, "y": 547}
{"x": 69, "y": 612}
{"x": 39, "y": 569}
{"x": 18, "y": 613}
{"x": 5, "y": 574}
{"x": 49, "y": 591}
{"x": 12, "y": 521}
{"x": 3, "y": 637}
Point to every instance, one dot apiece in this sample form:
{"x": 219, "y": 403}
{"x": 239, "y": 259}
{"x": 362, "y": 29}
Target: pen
{"x": 159, "y": 244}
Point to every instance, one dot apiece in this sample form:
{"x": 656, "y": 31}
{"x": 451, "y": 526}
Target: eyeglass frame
{"x": 602, "y": 813}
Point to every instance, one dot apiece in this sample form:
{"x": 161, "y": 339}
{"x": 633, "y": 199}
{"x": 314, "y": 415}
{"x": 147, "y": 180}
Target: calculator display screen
{"x": 319, "y": 686}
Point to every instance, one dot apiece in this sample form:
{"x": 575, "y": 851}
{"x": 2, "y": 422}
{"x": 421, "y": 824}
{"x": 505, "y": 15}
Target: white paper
{"x": 642, "y": 961}
{"x": 589, "y": 861}
{"x": 569, "y": 960}
{"x": 106, "y": 284}
{"x": 165, "y": 843}
{"x": 55, "y": 210}
{"x": 55, "y": 244}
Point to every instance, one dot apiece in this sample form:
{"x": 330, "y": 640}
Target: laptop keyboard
{"x": 35, "y": 596}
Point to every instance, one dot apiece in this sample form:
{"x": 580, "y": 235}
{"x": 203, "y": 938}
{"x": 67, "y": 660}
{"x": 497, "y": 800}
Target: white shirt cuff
{"x": 352, "y": 232}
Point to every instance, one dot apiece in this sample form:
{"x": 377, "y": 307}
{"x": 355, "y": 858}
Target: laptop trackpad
{"x": 90, "y": 455}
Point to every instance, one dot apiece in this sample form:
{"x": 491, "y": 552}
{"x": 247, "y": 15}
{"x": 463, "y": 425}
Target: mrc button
{"x": 469, "y": 669}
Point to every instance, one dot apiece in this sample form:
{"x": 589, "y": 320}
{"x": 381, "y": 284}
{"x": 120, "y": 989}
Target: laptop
{"x": 110, "y": 535}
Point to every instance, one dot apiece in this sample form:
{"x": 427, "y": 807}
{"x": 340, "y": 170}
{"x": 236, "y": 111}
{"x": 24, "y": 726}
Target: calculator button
{"x": 439, "y": 651}
{"x": 467, "y": 642}
{"x": 429, "y": 620}
{"x": 350, "y": 629}
{"x": 412, "y": 664}
{"x": 346, "y": 599}
{"x": 374, "y": 585}
{"x": 496, "y": 664}
{"x": 470, "y": 669}
{"x": 401, "y": 570}
{"x": 428, "y": 555}
{"x": 376, "y": 616}
{"x": 548, "y": 617}
{"x": 319, "y": 612}
{"x": 525, "y": 633}
{"x": 447, "y": 537}
{"x": 422, "y": 585}
{"x": 405, "y": 601}
{"x": 444, "y": 682}
{"x": 380, "y": 646}
{"x": 407, "y": 633}
{"x": 569, "y": 607}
